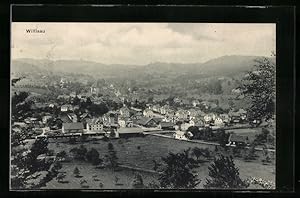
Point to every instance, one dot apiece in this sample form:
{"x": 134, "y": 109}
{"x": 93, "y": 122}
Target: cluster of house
{"x": 135, "y": 121}
{"x": 154, "y": 116}
{"x": 194, "y": 117}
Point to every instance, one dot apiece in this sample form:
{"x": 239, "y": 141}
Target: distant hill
{"x": 225, "y": 65}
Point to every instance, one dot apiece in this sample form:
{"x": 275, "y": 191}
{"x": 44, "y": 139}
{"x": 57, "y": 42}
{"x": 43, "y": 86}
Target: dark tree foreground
{"x": 259, "y": 87}
{"x": 177, "y": 171}
{"x": 224, "y": 175}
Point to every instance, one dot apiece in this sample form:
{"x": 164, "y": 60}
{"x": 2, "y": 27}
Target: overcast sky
{"x": 141, "y": 43}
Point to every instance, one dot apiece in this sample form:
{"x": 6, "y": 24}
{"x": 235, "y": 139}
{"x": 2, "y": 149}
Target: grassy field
{"x": 140, "y": 152}
{"x": 95, "y": 176}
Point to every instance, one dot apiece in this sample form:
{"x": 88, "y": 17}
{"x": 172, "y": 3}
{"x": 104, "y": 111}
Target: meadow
{"x": 139, "y": 152}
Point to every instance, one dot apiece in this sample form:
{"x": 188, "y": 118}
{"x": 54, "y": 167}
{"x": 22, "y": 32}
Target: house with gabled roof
{"x": 166, "y": 125}
{"x": 124, "y": 111}
{"x": 218, "y": 122}
{"x": 74, "y": 127}
{"x": 164, "y": 109}
{"x": 197, "y": 122}
{"x": 95, "y": 124}
{"x": 124, "y": 121}
{"x": 64, "y": 119}
{"x": 147, "y": 122}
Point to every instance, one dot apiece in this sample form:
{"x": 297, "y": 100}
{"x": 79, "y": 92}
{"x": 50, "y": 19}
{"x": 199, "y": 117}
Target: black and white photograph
{"x": 123, "y": 105}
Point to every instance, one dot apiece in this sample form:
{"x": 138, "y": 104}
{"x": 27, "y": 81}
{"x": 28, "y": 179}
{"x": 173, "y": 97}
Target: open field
{"x": 94, "y": 176}
{"x": 140, "y": 152}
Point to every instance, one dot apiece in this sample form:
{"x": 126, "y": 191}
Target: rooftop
{"x": 94, "y": 121}
{"x": 72, "y": 126}
{"x": 130, "y": 130}
{"x": 166, "y": 124}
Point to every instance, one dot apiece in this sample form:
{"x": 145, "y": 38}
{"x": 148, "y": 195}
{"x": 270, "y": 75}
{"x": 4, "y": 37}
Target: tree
{"x": 259, "y": 87}
{"x": 55, "y": 167}
{"x": 177, "y": 169}
{"x": 137, "y": 181}
{"x": 40, "y": 146}
{"x": 98, "y": 109}
{"x": 93, "y": 156}
{"x": 112, "y": 156}
{"x": 17, "y": 137}
{"x": 156, "y": 165}
{"x": 264, "y": 137}
{"x": 224, "y": 175}
{"x": 117, "y": 179}
{"x": 20, "y": 106}
{"x": 76, "y": 172}
{"x": 60, "y": 177}
{"x": 266, "y": 154}
{"x": 26, "y": 166}
{"x": 79, "y": 153}
{"x": 222, "y": 137}
{"x": 83, "y": 183}
{"x": 76, "y": 101}
{"x": 206, "y": 133}
{"x": 62, "y": 154}
{"x": 251, "y": 155}
{"x": 195, "y": 131}
{"x": 198, "y": 152}
{"x": 237, "y": 151}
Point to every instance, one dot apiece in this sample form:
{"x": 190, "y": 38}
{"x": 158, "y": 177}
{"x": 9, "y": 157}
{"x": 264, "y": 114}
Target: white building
{"x": 94, "y": 124}
{"x": 180, "y": 135}
{"x": 218, "y": 122}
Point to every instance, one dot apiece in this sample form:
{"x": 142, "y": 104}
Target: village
{"x": 68, "y": 117}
